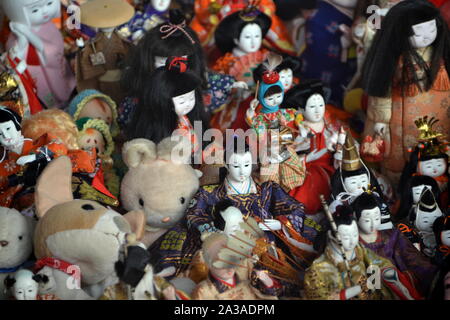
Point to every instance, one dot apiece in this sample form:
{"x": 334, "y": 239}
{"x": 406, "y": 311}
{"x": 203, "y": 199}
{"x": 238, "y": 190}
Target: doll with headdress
{"x": 353, "y": 177}
{"x": 391, "y": 243}
{"x": 36, "y": 50}
{"x": 429, "y": 157}
{"x": 406, "y": 77}
{"x": 99, "y": 62}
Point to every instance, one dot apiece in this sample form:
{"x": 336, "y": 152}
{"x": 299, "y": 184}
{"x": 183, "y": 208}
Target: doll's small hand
{"x": 240, "y": 85}
{"x": 270, "y": 225}
{"x": 264, "y": 277}
{"x": 26, "y": 159}
{"x": 80, "y": 43}
{"x": 380, "y": 128}
{"x": 254, "y": 104}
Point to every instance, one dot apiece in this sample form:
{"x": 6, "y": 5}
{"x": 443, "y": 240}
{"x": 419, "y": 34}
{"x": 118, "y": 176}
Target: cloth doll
{"x": 154, "y": 13}
{"x": 329, "y": 55}
{"x": 94, "y": 104}
{"x": 341, "y": 272}
{"x": 353, "y": 177}
{"x": 391, "y": 244}
{"x": 419, "y": 230}
{"x": 16, "y": 244}
{"x": 223, "y": 282}
{"x": 411, "y": 195}
{"x": 406, "y": 78}
{"x": 22, "y": 160}
{"x": 36, "y": 43}
{"x": 321, "y": 143}
{"x": 429, "y": 157}
{"x": 172, "y": 106}
{"x": 239, "y": 38}
{"x": 99, "y": 63}
{"x": 209, "y": 13}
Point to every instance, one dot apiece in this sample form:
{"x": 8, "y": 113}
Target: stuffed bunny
{"x": 78, "y": 240}
{"x": 16, "y": 244}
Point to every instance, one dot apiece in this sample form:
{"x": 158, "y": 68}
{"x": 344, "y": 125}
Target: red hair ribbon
{"x": 170, "y": 29}
{"x": 181, "y": 62}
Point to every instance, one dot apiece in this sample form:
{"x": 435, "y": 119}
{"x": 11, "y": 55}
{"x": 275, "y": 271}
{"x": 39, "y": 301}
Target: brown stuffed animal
{"x": 79, "y": 241}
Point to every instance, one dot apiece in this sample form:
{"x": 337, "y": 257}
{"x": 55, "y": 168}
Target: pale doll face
{"x": 9, "y": 135}
{"x": 424, "y": 34}
{"x": 42, "y": 11}
{"x": 221, "y": 273}
{"x": 250, "y": 39}
{"x": 274, "y": 99}
{"x": 445, "y": 237}
{"x": 240, "y": 167}
{"x": 346, "y": 3}
{"x": 233, "y": 217}
{"x": 370, "y": 220}
{"x": 97, "y": 109}
{"x": 315, "y": 108}
{"x": 286, "y": 78}
{"x": 25, "y": 288}
{"x": 349, "y": 235}
{"x": 92, "y": 139}
{"x": 425, "y": 220}
{"x": 417, "y": 192}
{"x": 184, "y": 103}
{"x": 161, "y": 5}
{"x": 355, "y": 184}
{"x": 432, "y": 168}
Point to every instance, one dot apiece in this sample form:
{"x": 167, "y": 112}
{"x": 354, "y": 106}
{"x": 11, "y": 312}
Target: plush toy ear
{"x": 137, "y": 151}
{"x": 9, "y": 282}
{"x": 54, "y": 185}
{"x": 177, "y": 149}
{"x": 137, "y": 221}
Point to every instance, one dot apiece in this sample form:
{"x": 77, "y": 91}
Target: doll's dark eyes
{"x": 141, "y": 202}
{"x": 182, "y": 200}
{"x": 87, "y": 207}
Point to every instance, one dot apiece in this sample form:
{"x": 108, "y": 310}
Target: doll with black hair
{"x": 429, "y": 158}
{"x": 172, "y": 101}
{"x": 410, "y": 194}
{"x": 391, "y": 244}
{"x": 353, "y": 177}
{"x": 406, "y": 75}
{"x": 328, "y": 278}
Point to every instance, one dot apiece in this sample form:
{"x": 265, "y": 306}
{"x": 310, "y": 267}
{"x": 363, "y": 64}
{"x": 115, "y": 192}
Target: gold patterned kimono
{"x": 324, "y": 280}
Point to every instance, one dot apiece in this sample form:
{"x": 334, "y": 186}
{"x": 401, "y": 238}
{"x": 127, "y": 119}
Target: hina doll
{"x": 406, "y": 78}
{"x": 223, "y": 282}
{"x": 353, "y": 177}
{"x": 171, "y": 106}
{"x": 22, "y": 160}
{"x": 441, "y": 229}
{"x": 421, "y": 220}
{"x": 266, "y": 202}
{"x": 239, "y": 37}
{"x": 341, "y": 272}
{"x": 37, "y": 48}
{"x": 99, "y": 62}
{"x": 429, "y": 158}
{"x": 391, "y": 244}
{"x": 328, "y": 55}
{"x": 411, "y": 193}
{"x": 322, "y": 143}
{"x": 154, "y": 13}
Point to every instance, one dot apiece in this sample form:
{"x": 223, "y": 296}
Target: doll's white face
{"x": 370, "y": 220}
{"x": 346, "y": 3}
{"x": 92, "y": 139}
{"x": 250, "y": 39}
{"x": 286, "y": 78}
{"x": 240, "y": 167}
{"x": 274, "y": 99}
{"x": 445, "y": 237}
{"x": 349, "y": 235}
{"x": 432, "y": 168}
{"x": 417, "y": 192}
{"x": 25, "y": 288}
{"x": 425, "y": 220}
{"x": 233, "y": 217}
{"x": 424, "y": 34}
{"x": 9, "y": 135}
{"x": 222, "y": 273}
{"x": 315, "y": 108}
{"x": 184, "y": 103}
{"x": 161, "y": 5}
{"x": 42, "y": 11}
{"x": 355, "y": 184}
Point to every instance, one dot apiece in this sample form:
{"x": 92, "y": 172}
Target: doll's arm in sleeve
{"x": 379, "y": 109}
{"x": 284, "y": 204}
{"x": 199, "y": 215}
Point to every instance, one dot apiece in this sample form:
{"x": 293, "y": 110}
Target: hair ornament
{"x": 251, "y": 11}
{"x": 170, "y": 28}
{"x": 178, "y": 63}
